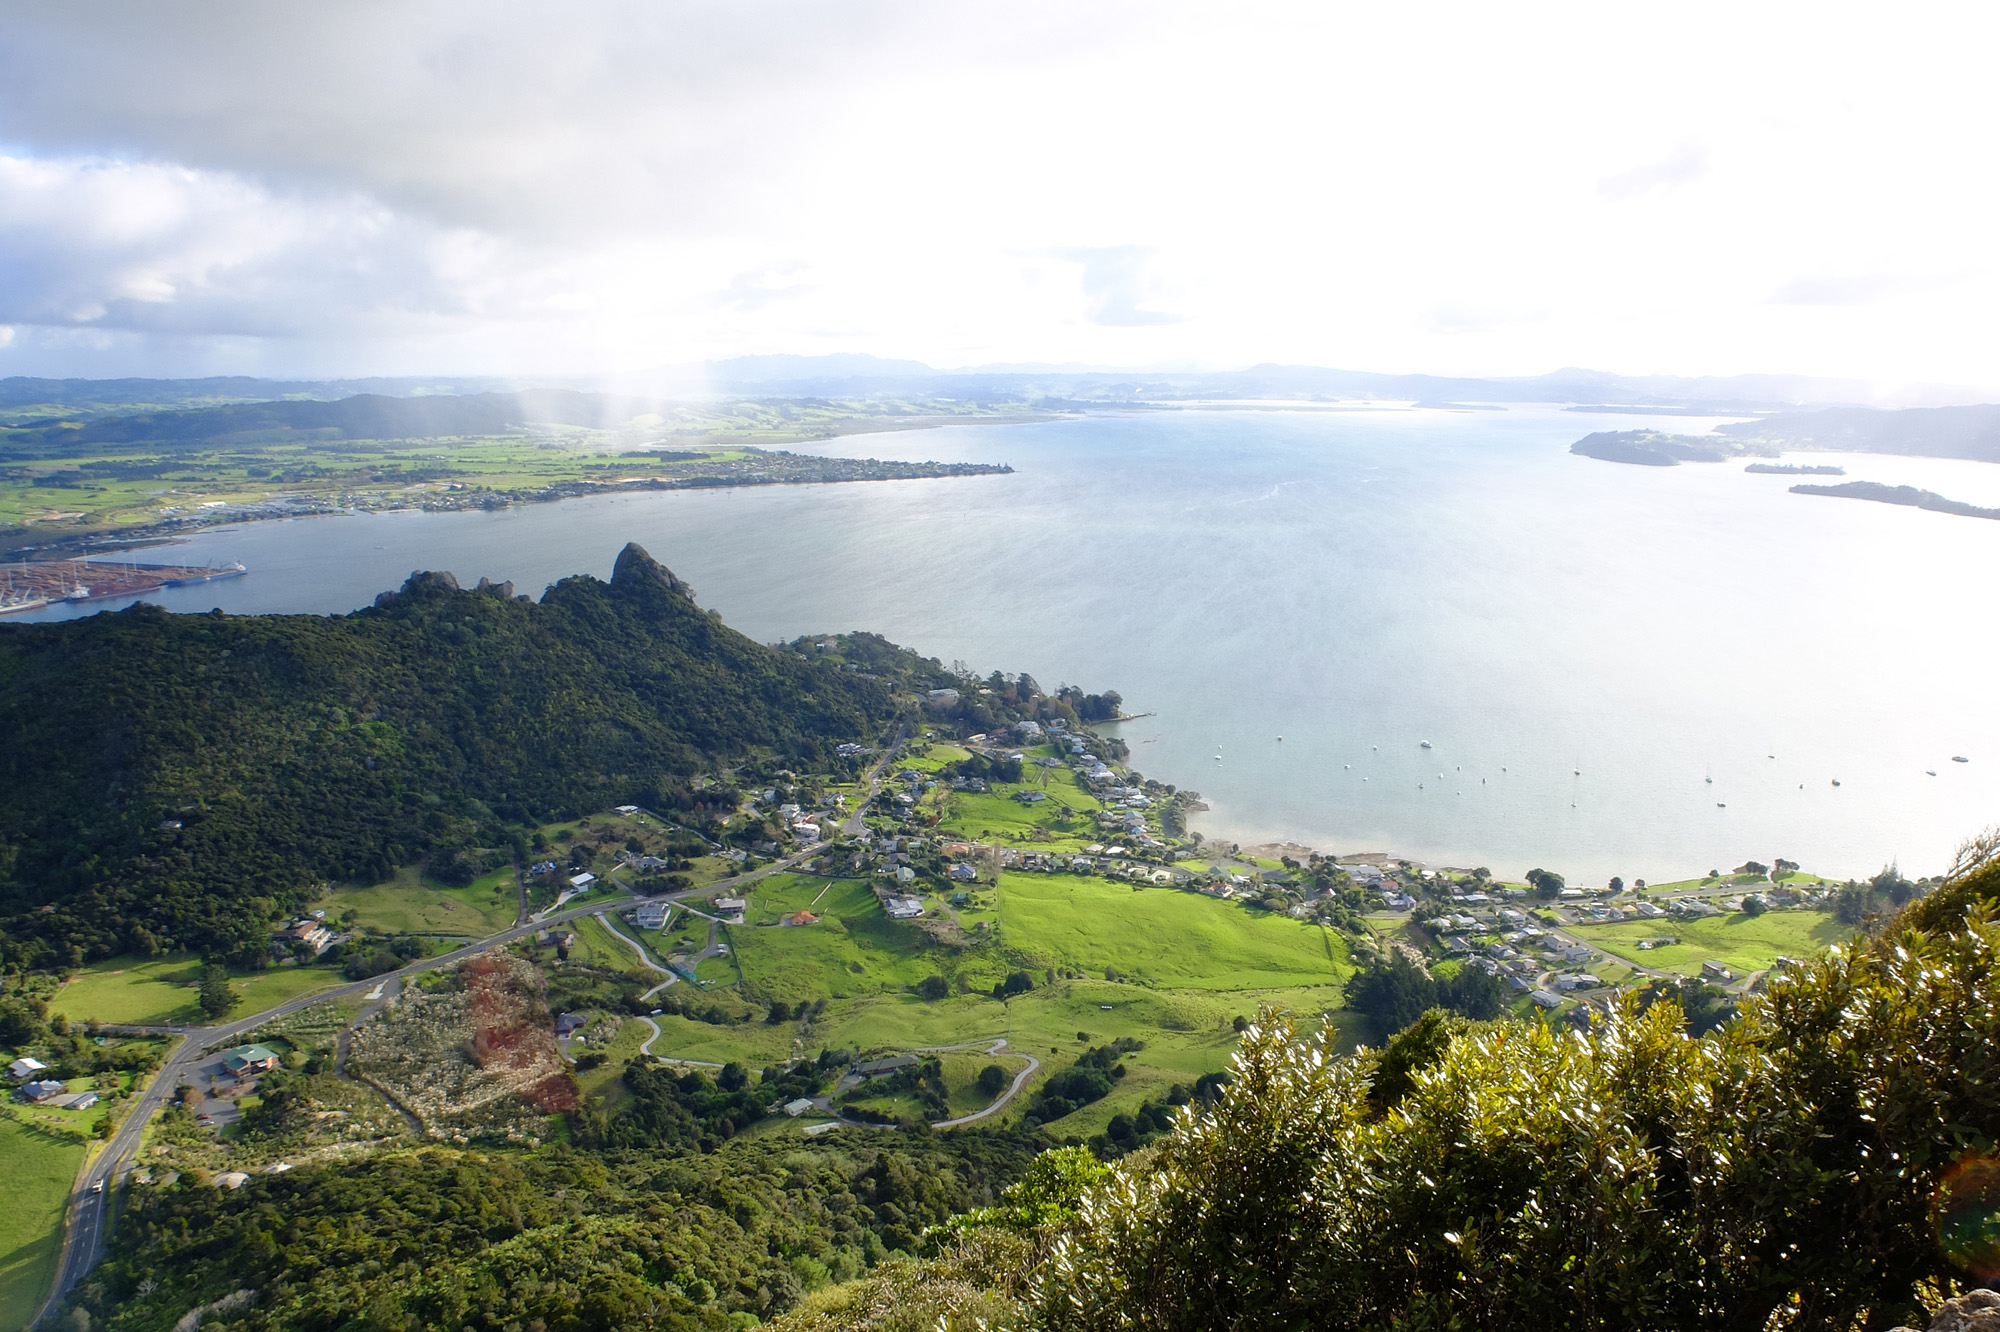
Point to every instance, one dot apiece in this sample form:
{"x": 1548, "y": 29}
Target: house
{"x": 653, "y": 915}
{"x": 876, "y": 1067}
{"x": 231, "y": 1179}
{"x": 570, "y": 1022}
{"x": 247, "y": 1059}
{"x": 23, "y": 1069}
{"x": 1030, "y": 797}
{"x": 75, "y": 1101}
{"x": 806, "y": 832}
{"x": 903, "y": 908}
{"x": 964, "y": 872}
{"x": 802, "y": 918}
{"x": 306, "y": 931}
{"x": 904, "y": 874}
{"x": 627, "y": 810}
{"x": 581, "y": 882}
{"x": 649, "y": 863}
{"x": 798, "y": 1107}
{"x": 1715, "y": 971}
{"x": 943, "y": 698}
{"x": 727, "y": 904}
{"x": 1543, "y": 999}
{"x": 35, "y": 1093}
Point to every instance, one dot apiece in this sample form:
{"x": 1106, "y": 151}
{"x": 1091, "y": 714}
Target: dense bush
{"x": 564, "y": 1240}
{"x": 175, "y": 781}
{"x": 1784, "y": 1171}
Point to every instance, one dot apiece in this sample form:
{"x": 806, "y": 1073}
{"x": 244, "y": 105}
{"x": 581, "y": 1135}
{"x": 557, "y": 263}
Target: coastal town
{"x": 996, "y": 871}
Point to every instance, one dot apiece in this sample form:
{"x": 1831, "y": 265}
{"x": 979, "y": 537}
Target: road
{"x": 89, "y": 1217}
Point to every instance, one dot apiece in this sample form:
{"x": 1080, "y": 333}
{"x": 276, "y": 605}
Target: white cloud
{"x": 510, "y": 187}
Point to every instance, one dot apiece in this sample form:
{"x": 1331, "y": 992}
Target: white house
{"x": 653, "y": 915}
{"x": 582, "y": 882}
{"x": 23, "y": 1069}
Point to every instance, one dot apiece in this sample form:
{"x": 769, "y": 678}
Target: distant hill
{"x": 361, "y": 416}
{"x": 293, "y": 749}
{"x": 1652, "y": 448}
{"x": 1923, "y": 432}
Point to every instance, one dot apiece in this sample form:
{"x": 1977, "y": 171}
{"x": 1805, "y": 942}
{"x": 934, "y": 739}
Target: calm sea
{"x": 1620, "y": 670}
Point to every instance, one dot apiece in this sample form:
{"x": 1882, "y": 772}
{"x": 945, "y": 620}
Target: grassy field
{"x": 411, "y": 904}
{"x": 1742, "y": 943}
{"x": 163, "y": 989}
{"x": 998, "y": 816}
{"x": 1189, "y": 966}
{"x": 1164, "y": 936}
{"x": 854, "y": 950}
{"x": 40, "y": 1170}
{"x": 109, "y": 485}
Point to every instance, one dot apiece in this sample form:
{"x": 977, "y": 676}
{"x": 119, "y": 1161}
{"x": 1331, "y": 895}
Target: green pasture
{"x": 164, "y": 989}
{"x": 413, "y": 904}
{"x": 1742, "y": 943}
{"x": 939, "y": 756}
{"x": 1166, "y": 936}
{"x": 40, "y": 1170}
{"x": 854, "y": 950}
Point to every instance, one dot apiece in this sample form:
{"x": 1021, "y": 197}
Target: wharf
{"x": 30, "y": 585}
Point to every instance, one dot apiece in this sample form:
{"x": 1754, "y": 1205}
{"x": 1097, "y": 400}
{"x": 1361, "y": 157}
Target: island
{"x": 1654, "y": 448}
{"x": 1906, "y": 495}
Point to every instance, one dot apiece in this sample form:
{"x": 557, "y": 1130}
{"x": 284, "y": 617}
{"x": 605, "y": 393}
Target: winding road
{"x": 89, "y": 1216}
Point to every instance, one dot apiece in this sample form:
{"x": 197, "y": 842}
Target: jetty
{"x": 30, "y": 585}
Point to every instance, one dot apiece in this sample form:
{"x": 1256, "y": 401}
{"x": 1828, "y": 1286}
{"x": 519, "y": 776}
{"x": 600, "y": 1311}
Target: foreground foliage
{"x": 441, "y": 1238}
{"x": 1783, "y": 1171}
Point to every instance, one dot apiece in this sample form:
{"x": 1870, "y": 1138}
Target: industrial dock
{"x": 31, "y": 585}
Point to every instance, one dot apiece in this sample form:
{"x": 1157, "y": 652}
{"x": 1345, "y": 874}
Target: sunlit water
{"x": 1583, "y": 643}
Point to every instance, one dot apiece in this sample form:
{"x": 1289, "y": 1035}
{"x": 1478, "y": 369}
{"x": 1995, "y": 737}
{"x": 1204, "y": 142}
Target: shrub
{"x": 1784, "y": 1171}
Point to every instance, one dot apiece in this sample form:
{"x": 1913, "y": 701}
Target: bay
{"x": 1649, "y": 672}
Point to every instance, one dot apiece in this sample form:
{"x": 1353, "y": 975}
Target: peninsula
{"x": 81, "y": 476}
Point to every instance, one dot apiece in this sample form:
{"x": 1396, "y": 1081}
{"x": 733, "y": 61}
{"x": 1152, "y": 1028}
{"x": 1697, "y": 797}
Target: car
{"x": 97, "y": 1186}
{"x": 201, "y": 1119}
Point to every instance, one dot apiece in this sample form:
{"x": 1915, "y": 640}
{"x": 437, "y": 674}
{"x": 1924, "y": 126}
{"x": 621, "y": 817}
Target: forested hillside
{"x": 170, "y": 781}
{"x": 451, "y": 1239}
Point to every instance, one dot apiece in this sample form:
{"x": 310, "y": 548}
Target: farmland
{"x": 1187, "y": 967}
{"x": 163, "y": 989}
{"x": 1741, "y": 942}
{"x": 40, "y": 1171}
{"x": 413, "y": 904}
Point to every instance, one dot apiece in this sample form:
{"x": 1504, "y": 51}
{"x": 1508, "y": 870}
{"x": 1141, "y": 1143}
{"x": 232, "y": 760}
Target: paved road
{"x": 1000, "y": 1101}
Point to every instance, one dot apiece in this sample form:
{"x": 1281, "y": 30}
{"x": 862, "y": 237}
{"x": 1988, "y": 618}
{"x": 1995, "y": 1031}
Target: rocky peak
{"x": 635, "y": 568}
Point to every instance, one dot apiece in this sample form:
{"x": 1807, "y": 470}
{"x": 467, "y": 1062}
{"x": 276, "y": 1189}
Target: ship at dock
{"x": 33, "y": 584}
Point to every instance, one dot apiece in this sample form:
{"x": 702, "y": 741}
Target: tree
{"x": 1474, "y": 994}
{"x": 1545, "y": 883}
{"x": 216, "y": 996}
{"x": 1617, "y": 885}
{"x": 991, "y": 1079}
{"x": 1754, "y": 905}
{"x": 933, "y": 988}
{"x": 1390, "y": 994}
{"x": 1017, "y": 982}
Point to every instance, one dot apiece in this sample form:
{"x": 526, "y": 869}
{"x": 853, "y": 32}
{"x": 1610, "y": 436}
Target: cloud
{"x": 1684, "y": 165}
{"x": 142, "y": 247}
{"x": 1115, "y": 282}
{"x": 1845, "y": 289}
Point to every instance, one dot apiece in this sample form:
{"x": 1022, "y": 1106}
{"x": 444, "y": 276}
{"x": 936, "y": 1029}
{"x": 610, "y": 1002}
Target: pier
{"x": 31, "y": 585}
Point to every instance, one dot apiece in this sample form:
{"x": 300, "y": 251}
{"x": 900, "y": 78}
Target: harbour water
{"x": 1623, "y": 670}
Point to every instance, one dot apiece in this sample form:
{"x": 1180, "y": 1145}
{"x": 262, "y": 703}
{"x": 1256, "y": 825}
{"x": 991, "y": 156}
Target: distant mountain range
{"x": 850, "y": 376}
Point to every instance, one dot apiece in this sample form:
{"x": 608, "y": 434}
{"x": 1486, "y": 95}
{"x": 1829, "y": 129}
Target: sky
{"x": 612, "y": 188}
